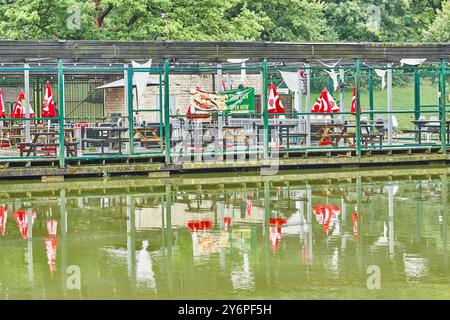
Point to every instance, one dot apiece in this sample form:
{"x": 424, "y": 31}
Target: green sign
{"x": 240, "y": 100}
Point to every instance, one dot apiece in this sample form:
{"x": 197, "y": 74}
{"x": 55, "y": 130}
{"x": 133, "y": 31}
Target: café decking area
{"x": 216, "y": 113}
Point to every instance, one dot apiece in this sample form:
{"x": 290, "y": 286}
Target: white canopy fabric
{"x": 243, "y": 71}
{"x": 412, "y": 62}
{"x": 141, "y": 78}
{"x": 295, "y": 84}
{"x": 121, "y": 83}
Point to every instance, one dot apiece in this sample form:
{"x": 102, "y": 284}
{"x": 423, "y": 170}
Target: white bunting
{"x": 141, "y": 78}
{"x": 382, "y": 75}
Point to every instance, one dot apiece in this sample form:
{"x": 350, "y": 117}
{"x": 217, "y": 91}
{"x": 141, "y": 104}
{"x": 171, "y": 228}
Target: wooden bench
{"x": 47, "y": 148}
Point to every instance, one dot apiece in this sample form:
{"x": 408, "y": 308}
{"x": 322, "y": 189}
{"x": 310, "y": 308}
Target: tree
{"x": 117, "y": 19}
{"x": 439, "y": 30}
{"x": 293, "y": 20}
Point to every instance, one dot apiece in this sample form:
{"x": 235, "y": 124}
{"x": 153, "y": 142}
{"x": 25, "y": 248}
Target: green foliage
{"x": 227, "y": 20}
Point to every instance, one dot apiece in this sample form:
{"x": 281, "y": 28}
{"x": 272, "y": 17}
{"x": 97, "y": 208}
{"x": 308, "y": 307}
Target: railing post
{"x": 265, "y": 109}
{"x": 61, "y": 114}
{"x": 371, "y": 96}
{"x": 416, "y": 94}
{"x": 358, "y": 106}
{"x": 389, "y": 104}
{"x": 442, "y": 107}
{"x": 130, "y": 101}
{"x": 166, "y": 109}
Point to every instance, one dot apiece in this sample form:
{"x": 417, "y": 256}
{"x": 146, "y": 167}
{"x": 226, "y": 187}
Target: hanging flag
{"x": 3, "y": 218}
{"x": 48, "y": 106}
{"x": 274, "y": 101}
{"x": 353, "y": 106}
{"x": 19, "y": 108}
{"x": 2, "y": 105}
{"x": 325, "y": 103}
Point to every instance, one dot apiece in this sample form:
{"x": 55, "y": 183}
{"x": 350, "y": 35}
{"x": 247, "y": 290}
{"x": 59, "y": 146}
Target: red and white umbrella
{"x": 353, "y": 106}
{"x": 274, "y": 101}
{"x": 21, "y": 218}
{"x": 19, "y": 107}
{"x": 223, "y": 86}
{"x": 2, "y": 105}
{"x": 3, "y": 219}
{"x": 325, "y": 103}
{"x": 48, "y": 105}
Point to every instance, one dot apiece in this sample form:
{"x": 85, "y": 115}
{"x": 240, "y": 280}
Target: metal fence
{"x": 187, "y": 113}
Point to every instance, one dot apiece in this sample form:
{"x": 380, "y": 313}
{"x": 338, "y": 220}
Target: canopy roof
{"x": 112, "y": 52}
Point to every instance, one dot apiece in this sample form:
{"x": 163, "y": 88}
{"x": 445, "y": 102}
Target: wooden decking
{"x": 298, "y": 160}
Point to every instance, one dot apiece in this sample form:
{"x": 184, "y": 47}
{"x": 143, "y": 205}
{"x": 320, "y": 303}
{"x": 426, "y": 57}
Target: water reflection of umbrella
{"x": 327, "y": 215}
{"x": 227, "y": 223}
{"x": 21, "y": 218}
{"x": 275, "y": 233}
{"x": 3, "y": 218}
{"x": 355, "y": 222}
{"x": 51, "y": 243}
{"x": 198, "y": 225}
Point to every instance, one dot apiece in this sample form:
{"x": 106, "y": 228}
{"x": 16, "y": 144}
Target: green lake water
{"x": 324, "y": 239}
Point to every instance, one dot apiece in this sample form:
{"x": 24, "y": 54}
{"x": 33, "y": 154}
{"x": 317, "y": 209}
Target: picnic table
{"x": 334, "y": 133}
{"x": 111, "y": 137}
{"x": 50, "y": 144}
{"x": 427, "y": 126}
{"x": 284, "y": 130}
{"x": 147, "y": 136}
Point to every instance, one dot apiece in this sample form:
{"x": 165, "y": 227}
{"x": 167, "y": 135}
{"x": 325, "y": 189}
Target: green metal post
{"x": 130, "y": 72}
{"x": 265, "y": 109}
{"x": 161, "y": 128}
{"x": 442, "y": 104}
{"x": 166, "y": 109}
{"x": 357, "y": 111}
{"x": 61, "y": 113}
{"x": 371, "y": 95}
{"x": 416, "y": 94}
